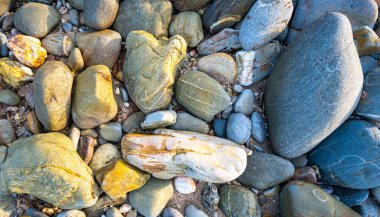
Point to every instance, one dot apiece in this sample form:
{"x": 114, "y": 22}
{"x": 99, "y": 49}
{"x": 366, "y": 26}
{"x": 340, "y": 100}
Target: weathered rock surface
{"x": 28, "y": 50}
{"x": 8, "y": 205}
{"x": 369, "y": 106}
{"x": 100, "y": 14}
{"x": 9, "y": 97}
{"x": 75, "y": 60}
{"x": 186, "y": 5}
{"x": 187, "y": 122}
{"x": 188, "y": 24}
{"x": 7, "y": 133}
{"x": 366, "y": 40}
{"x": 59, "y": 44}
{"x": 6, "y": 5}
{"x": 171, "y": 153}
{"x": 226, "y": 40}
{"x": 219, "y": 66}
{"x": 104, "y": 156}
{"x": 14, "y": 73}
{"x": 159, "y": 119}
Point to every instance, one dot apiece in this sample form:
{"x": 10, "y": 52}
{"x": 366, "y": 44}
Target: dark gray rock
{"x": 370, "y": 209}
{"x": 314, "y": 87}
{"x": 4, "y": 50}
{"x": 266, "y": 170}
{"x": 187, "y": 122}
{"x": 369, "y": 106}
{"x": 238, "y": 128}
{"x": 100, "y": 14}
{"x": 219, "y": 127}
{"x": 9, "y": 97}
{"x": 59, "y": 44}
{"x": 133, "y": 122}
{"x": 5, "y": 6}
{"x": 210, "y": 197}
{"x": 189, "y": 5}
{"x": 368, "y": 64}
{"x": 259, "y": 127}
{"x": 226, "y": 40}
{"x": 299, "y": 161}
{"x": 350, "y": 157}
{"x": 351, "y": 197}
{"x": 74, "y": 17}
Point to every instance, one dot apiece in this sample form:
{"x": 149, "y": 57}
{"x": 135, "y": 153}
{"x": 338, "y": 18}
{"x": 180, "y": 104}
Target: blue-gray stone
{"x": 351, "y": 197}
{"x": 368, "y": 64}
{"x": 159, "y": 119}
{"x": 4, "y": 50}
{"x": 369, "y": 106}
{"x": 133, "y": 122}
{"x": 72, "y": 213}
{"x": 376, "y": 193}
{"x": 124, "y": 94}
{"x": 8, "y": 203}
{"x": 171, "y": 212}
{"x": 299, "y": 161}
{"x": 350, "y": 157}
{"x": 314, "y": 87}
{"x": 238, "y": 88}
{"x": 370, "y": 209}
{"x": 326, "y": 188}
{"x": 238, "y": 128}
{"x": 245, "y": 103}
{"x": 219, "y": 126}
{"x": 74, "y": 17}
{"x": 193, "y": 211}
{"x": 259, "y": 128}
{"x": 226, "y": 113}
{"x": 67, "y": 27}
{"x": 111, "y": 131}
{"x": 32, "y": 212}
{"x": 187, "y": 122}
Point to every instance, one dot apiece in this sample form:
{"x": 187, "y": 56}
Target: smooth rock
{"x": 351, "y": 197}
{"x": 329, "y": 87}
{"x": 78, "y": 4}
{"x": 349, "y": 157}
{"x": 188, "y": 24}
{"x": 8, "y": 204}
{"x": 238, "y": 201}
{"x": 299, "y": 161}
{"x": 259, "y": 128}
{"x": 184, "y": 185}
{"x": 245, "y": 103}
{"x": 75, "y": 60}
{"x": 36, "y": 19}
{"x": 159, "y": 119}
{"x": 366, "y": 40}
{"x": 219, "y": 127}
{"x": 186, "y": 5}
{"x": 67, "y": 27}
{"x": 95, "y": 85}
{"x": 219, "y": 66}
{"x": 238, "y": 88}
{"x": 113, "y": 212}
{"x": 28, "y": 50}
{"x": 74, "y": 135}
{"x": 104, "y": 156}
{"x": 89, "y": 132}
{"x": 133, "y": 122}
{"x": 52, "y": 86}
{"x": 74, "y": 17}
{"x": 181, "y": 153}
{"x": 3, "y": 45}
{"x": 368, "y": 106}
{"x": 307, "y": 200}
{"x": 187, "y": 122}
{"x": 238, "y": 128}
{"x": 9, "y": 97}
{"x": 226, "y": 41}
{"x": 14, "y": 73}
{"x": 193, "y": 211}
{"x": 151, "y": 16}
{"x": 32, "y": 212}
{"x": 59, "y": 44}
{"x": 150, "y": 69}
{"x": 376, "y": 192}
{"x": 368, "y": 64}
{"x": 5, "y": 6}
{"x": 171, "y": 212}
{"x": 3, "y": 155}
{"x": 86, "y": 148}
{"x": 210, "y": 197}
{"x": 111, "y": 131}
{"x": 100, "y": 14}
{"x": 34, "y": 125}
{"x": 125, "y": 208}
{"x": 224, "y": 14}
{"x": 266, "y": 170}
{"x": 34, "y": 167}
{"x": 98, "y": 209}
{"x": 201, "y": 95}
{"x": 7, "y": 133}
{"x": 370, "y": 209}
{"x": 152, "y": 198}
{"x": 100, "y": 48}
{"x": 72, "y": 213}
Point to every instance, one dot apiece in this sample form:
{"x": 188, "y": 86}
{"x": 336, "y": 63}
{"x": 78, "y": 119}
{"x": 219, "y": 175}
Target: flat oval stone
{"x": 159, "y": 119}
{"x": 369, "y": 106}
{"x": 188, "y": 24}
{"x": 28, "y": 50}
{"x": 171, "y": 153}
{"x": 100, "y": 14}
{"x": 351, "y": 197}
{"x": 349, "y": 157}
{"x": 36, "y": 19}
{"x": 307, "y": 200}
{"x": 264, "y": 22}
{"x": 9, "y": 97}
{"x": 59, "y": 44}
{"x": 187, "y": 122}
{"x": 184, "y": 185}
{"x": 259, "y": 128}
{"x": 245, "y": 102}
{"x": 6, "y": 5}
{"x": 266, "y": 170}
{"x": 52, "y": 86}
{"x": 14, "y": 72}
{"x": 104, "y": 156}
{"x": 7, "y": 133}
{"x": 201, "y": 95}
{"x": 219, "y": 127}
{"x": 326, "y": 90}
{"x": 219, "y": 66}
{"x": 111, "y": 131}
{"x": 238, "y": 128}
{"x": 133, "y": 122}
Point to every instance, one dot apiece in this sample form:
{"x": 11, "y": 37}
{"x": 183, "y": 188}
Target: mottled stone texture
{"x": 100, "y": 14}
{"x": 189, "y": 5}
{"x": 5, "y": 5}
{"x": 28, "y": 50}
{"x": 14, "y": 73}
{"x": 369, "y": 106}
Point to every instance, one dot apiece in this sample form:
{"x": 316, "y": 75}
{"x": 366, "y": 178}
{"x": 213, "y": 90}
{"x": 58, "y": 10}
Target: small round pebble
{"x": 113, "y": 212}
{"x": 171, "y": 212}
{"x": 104, "y": 156}
{"x": 259, "y": 129}
{"x": 67, "y": 27}
{"x": 184, "y": 185}
{"x": 238, "y": 128}
{"x": 238, "y": 88}
{"x": 125, "y": 208}
{"x": 219, "y": 127}
{"x": 245, "y": 103}
{"x": 111, "y": 131}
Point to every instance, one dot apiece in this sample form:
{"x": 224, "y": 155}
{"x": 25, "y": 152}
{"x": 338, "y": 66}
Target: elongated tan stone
{"x": 170, "y": 153}
{"x": 28, "y": 50}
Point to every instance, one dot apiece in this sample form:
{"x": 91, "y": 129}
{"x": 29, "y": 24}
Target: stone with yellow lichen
{"x": 119, "y": 178}
{"x": 170, "y": 153}
{"x": 366, "y": 40}
{"x": 14, "y": 73}
{"x": 151, "y": 67}
{"x": 28, "y": 50}
{"x": 48, "y": 167}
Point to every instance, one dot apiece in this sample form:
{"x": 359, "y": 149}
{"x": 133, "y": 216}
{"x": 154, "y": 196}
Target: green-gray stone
{"x": 78, "y": 4}
{"x": 48, "y": 167}
{"x": 188, "y": 24}
{"x": 3, "y": 154}
{"x": 52, "y": 94}
{"x": 8, "y": 206}
{"x": 187, "y": 122}
{"x": 100, "y": 14}
{"x": 7, "y": 133}
{"x": 111, "y": 131}
{"x": 95, "y": 86}
{"x": 151, "y": 199}
{"x": 201, "y": 95}
{"x": 9, "y": 97}
{"x": 307, "y": 200}
{"x": 75, "y": 60}
{"x": 36, "y": 19}
{"x": 5, "y": 5}
{"x": 133, "y": 122}
{"x": 237, "y": 201}
{"x": 150, "y": 69}
{"x": 190, "y": 5}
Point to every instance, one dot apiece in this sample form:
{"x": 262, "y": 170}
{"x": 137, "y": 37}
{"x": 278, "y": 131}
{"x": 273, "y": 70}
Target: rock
{"x": 238, "y": 201}
{"x": 340, "y": 84}
{"x": 118, "y": 178}
{"x": 74, "y": 17}
{"x": 259, "y": 128}
{"x": 100, "y": 14}
{"x": 67, "y": 27}
{"x": 150, "y": 69}
{"x": 52, "y": 86}
{"x": 72, "y": 213}
{"x": 113, "y": 212}
{"x": 245, "y": 103}
{"x": 299, "y": 161}
{"x": 198, "y": 156}
{"x": 100, "y": 48}
{"x": 187, "y": 122}
{"x": 59, "y": 44}
{"x": 370, "y": 208}
{"x": 219, "y": 66}
{"x": 351, "y": 197}
{"x": 210, "y": 197}
{"x": 238, "y": 88}
{"x": 62, "y": 179}
{"x": 7, "y": 133}
{"x": 74, "y": 135}
{"x": 3, "y": 45}
{"x": 359, "y": 12}
{"x": 366, "y": 40}
{"x": 8, "y": 205}
{"x": 159, "y": 119}
{"x": 185, "y": 5}
{"x": 369, "y": 64}
{"x": 266, "y": 170}
{"x": 219, "y": 127}
{"x": 104, "y": 156}
{"x": 86, "y": 148}
{"x": 306, "y": 174}
{"x": 7, "y": 24}
{"x": 89, "y": 132}
{"x": 226, "y": 41}
{"x": 188, "y": 24}
{"x": 35, "y": 126}
{"x": 133, "y": 122}
{"x": 374, "y": 191}
{"x": 304, "y": 199}
{"x": 99, "y": 208}
{"x": 125, "y": 208}
{"x": 95, "y": 85}
{"x": 184, "y": 185}
{"x": 32, "y": 212}
{"x": 132, "y": 213}
{"x": 369, "y": 105}
{"x": 152, "y": 198}
{"x": 28, "y": 50}
{"x": 355, "y": 164}
{"x": 5, "y": 6}
{"x": 224, "y": 14}
{"x": 151, "y": 16}
{"x": 36, "y": 19}
{"x": 253, "y": 66}
{"x": 171, "y": 212}
{"x": 75, "y": 60}
{"x": 201, "y": 95}
{"x": 3, "y": 155}
{"x": 9, "y": 97}
{"x": 78, "y": 4}
{"x": 238, "y": 128}
{"x": 14, "y": 73}
{"x": 264, "y": 22}
{"x": 193, "y": 211}
{"x": 111, "y": 131}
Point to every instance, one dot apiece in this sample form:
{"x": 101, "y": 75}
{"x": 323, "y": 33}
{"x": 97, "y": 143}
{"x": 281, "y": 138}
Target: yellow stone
{"x": 366, "y": 40}
{"x": 28, "y": 50}
{"x": 14, "y": 73}
{"x": 119, "y": 178}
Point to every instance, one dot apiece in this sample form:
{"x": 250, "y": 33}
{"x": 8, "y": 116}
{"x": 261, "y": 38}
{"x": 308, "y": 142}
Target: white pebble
{"x": 184, "y": 185}
{"x": 244, "y": 61}
{"x": 125, "y": 208}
